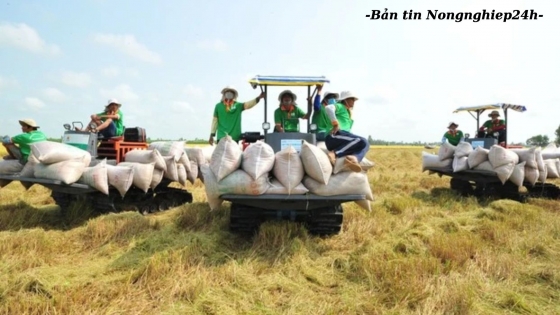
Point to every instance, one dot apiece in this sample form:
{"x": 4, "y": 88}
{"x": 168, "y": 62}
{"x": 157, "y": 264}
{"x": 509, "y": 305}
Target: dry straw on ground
{"x": 422, "y": 250}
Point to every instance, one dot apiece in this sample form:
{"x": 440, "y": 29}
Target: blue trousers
{"x": 344, "y": 143}
{"x": 110, "y": 131}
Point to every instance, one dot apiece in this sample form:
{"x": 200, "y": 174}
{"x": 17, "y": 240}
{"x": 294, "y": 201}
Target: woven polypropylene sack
{"x": 316, "y": 163}
{"x": 288, "y": 168}
{"x": 499, "y": 156}
{"x": 446, "y": 151}
{"x": 169, "y": 148}
{"x": 49, "y": 152}
{"x": 345, "y": 183}
{"x": 258, "y": 159}
{"x": 120, "y": 177}
{"x": 8, "y": 167}
{"x": 211, "y": 187}
{"x": 276, "y": 188}
{"x": 96, "y": 177}
{"x": 67, "y": 172}
{"x": 477, "y": 156}
{"x": 226, "y": 158}
{"x": 518, "y": 175}
{"x": 146, "y": 157}
{"x": 143, "y": 174}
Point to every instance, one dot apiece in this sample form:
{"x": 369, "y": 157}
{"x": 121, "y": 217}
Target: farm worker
{"x": 18, "y": 147}
{"x": 109, "y": 123}
{"x": 227, "y": 115}
{"x": 320, "y": 116}
{"x": 340, "y": 141}
{"x": 493, "y": 125}
{"x": 453, "y": 135}
{"x": 286, "y": 115}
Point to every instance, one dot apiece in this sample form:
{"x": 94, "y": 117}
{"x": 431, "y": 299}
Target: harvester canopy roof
{"x": 518, "y": 108}
{"x": 270, "y": 80}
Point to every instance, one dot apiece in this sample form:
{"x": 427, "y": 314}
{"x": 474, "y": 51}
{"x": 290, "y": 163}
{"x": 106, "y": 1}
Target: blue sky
{"x": 167, "y": 61}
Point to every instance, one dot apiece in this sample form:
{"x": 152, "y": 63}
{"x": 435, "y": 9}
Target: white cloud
{"x": 122, "y": 92}
{"x": 76, "y": 79}
{"x": 181, "y": 107}
{"x": 110, "y": 71}
{"x": 216, "y": 45}
{"x": 193, "y": 91}
{"x": 34, "y": 103}
{"x": 133, "y": 73}
{"x": 54, "y": 95}
{"x": 128, "y": 45}
{"x": 25, "y": 37}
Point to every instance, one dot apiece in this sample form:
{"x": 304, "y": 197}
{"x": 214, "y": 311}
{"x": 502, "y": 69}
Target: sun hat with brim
{"x": 29, "y": 122}
{"x": 494, "y": 112}
{"x": 336, "y": 95}
{"x": 230, "y": 89}
{"x": 346, "y": 95}
{"x": 113, "y": 101}
{"x": 452, "y": 123}
{"x": 287, "y": 92}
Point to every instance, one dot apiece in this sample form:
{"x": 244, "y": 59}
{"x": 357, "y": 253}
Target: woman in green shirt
{"x": 453, "y": 135}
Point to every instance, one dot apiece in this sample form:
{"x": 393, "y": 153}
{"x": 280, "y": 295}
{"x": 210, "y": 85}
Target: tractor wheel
{"x": 325, "y": 221}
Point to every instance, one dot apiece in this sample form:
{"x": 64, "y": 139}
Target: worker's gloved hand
{"x": 6, "y": 139}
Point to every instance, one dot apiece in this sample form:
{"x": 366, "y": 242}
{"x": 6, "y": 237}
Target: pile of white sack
{"x": 258, "y": 170}
{"x": 529, "y": 165}
{"x": 144, "y": 169}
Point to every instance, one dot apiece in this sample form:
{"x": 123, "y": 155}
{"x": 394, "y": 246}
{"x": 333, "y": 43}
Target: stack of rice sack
{"x": 258, "y": 170}
{"x": 528, "y": 165}
{"x": 198, "y": 156}
{"x": 233, "y": 171}
{"x": 443, "y": 159}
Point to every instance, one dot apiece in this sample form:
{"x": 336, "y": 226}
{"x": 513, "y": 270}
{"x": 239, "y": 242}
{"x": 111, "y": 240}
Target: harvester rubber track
{"x": 544, "y": 190}
{"x": 325, "y": 221}
{"x": 163, "y": 199}
{"x": 495, "y": 190}
{"x": 321, "y": 221}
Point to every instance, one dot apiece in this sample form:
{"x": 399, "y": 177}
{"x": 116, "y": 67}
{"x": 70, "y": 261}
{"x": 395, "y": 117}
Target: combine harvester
{"x": 323, "y": 215}
{"x": 484, "y": 181}
{"x": 113, "y": 151}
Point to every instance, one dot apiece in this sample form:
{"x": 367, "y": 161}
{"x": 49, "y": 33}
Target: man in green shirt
{"x": 340, "y": 141}
{"x": 18, "y": 147}
{"x": 453, "y": 135}
{"x": 227, "y": 115}
{"x": 495, "y": 124}
{"x": 286, "y": 116}
{"x": 109, "y": 123}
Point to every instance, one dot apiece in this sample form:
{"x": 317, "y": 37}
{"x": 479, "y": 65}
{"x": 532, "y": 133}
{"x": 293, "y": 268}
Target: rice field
{"x": 421, "y": 250}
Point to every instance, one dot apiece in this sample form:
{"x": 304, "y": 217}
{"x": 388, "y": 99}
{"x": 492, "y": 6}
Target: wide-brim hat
{"x": 336, "y": 95}
{"x": 29, "y": 122}
{"x": 494, "y": 112}
{"x": 230, "y": 89}
{"x": 113, "y": 101}
{"x": 346, "y": 95}
{"x": 292, "y": 94}
{"x": 452, "y": 123}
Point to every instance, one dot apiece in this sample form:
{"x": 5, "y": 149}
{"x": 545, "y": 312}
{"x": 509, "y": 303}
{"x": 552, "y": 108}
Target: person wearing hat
{"x": 109, "y": 123}
{"x": 287, "y": 114}
{"x": 340, "y": 141}
{"x": 227, "y": 115}
{"x": 495, "y": 124}
{"x": 18, "y": 147}
{"x": 320, "y": 116}
{"x": 453, "y": 135}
